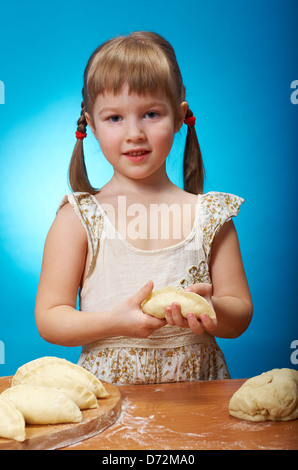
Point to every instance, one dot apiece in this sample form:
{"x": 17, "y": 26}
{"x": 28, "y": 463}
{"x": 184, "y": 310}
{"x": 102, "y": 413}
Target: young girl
{"x": 140, "y": 231}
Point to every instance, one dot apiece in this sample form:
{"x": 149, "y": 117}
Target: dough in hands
{"x": 12, "y": 423}
{"x": 157, "y": 302}
{"x": 41, "y": 405}
{"x": 271, "y": 396}
{"x": 80, "y": 394}
{"x": 49, "y": 365}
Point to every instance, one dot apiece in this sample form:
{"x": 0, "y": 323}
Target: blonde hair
{"x": 146, "y": 62}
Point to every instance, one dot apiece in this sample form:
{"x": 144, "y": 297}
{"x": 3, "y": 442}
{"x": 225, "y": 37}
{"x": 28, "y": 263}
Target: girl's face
{"x": 135, "y": 132}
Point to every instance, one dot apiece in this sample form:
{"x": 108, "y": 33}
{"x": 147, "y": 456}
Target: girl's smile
{"x": 137, "y": 156}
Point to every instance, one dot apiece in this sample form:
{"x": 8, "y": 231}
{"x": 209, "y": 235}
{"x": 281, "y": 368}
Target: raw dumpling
{"x": 56, "y": 366}
{"x": 41, "y": 405}
{"x": 12, "y": 423}
{"x": 271, "y": 396}
{"x": 189, "y": 301}
{"x": 80, "y": 394}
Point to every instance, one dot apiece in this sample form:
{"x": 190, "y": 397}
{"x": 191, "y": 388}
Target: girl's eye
{"x": 151, "y": 114}
{"x": 115, "y": 118}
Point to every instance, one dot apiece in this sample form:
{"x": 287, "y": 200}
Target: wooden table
{"x": 187, "y": 416}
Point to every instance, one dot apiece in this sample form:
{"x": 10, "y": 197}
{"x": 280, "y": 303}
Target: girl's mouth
{"x": 137, "y": 155}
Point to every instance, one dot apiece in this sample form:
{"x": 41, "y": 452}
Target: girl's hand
{"x": 130, "y": 318}
{"x": 197, "y": 325}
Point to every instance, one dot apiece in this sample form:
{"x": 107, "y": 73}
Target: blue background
{"x": 238, "y": 60}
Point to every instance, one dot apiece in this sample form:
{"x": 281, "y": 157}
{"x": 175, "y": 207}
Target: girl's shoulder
{"x": 216, "y": 209}
{"x": 84, "y": 205}
{"x": 82, "y": 209}
{"x": 76, "y": 200}
{"x": 213, "y": 203}
{"x": 220, "y": 202}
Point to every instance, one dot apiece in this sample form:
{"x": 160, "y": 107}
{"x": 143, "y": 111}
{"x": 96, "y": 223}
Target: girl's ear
{"x": 181, "y": 116}
{"x": 89, "y": 122}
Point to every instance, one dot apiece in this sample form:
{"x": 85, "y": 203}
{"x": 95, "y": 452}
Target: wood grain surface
{"x": 187, "y": 416}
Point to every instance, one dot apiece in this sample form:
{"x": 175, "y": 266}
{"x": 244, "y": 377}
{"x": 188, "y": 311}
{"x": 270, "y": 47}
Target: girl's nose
{"x": 135, "y": 131}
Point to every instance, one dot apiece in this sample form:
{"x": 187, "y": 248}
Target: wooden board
{"x": 55, "y": 436}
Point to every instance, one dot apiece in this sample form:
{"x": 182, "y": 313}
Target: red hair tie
{"x": 190, "y": 121}
{"x": 80, "y": 135}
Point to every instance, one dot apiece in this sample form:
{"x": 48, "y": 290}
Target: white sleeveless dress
{"x": 117, "y": 270}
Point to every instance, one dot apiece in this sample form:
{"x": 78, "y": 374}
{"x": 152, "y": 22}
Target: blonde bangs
{"x": 140, "y": 64}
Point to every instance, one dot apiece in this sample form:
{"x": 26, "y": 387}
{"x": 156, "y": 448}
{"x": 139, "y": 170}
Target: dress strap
{"x": 216, "y": 209}
{"x": 90, "y": 215}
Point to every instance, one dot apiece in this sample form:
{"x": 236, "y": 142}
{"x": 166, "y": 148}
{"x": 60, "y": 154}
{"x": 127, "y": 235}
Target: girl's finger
{"x": 208, "y": 324}
{"x": 194, "y": 324}
{"x": 178, "y": 319}
{"x": 168, "y": 316}
{"x": 202, "y": 288}
{"x": 143, "y": 293}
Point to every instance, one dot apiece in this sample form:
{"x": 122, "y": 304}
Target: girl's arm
{"x": 231, "y": 296}
{"x": 229, "y": 291}
{"x": 57, "y": 319}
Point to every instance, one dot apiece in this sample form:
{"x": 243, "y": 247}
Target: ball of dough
{"x": 271, "y": 396}
{"x": 157, "y": 302}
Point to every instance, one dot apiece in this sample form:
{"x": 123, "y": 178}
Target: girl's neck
{"x": 144, "y": 186}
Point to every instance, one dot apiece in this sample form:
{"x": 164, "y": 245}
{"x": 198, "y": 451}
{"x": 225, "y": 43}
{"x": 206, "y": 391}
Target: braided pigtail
{"x": 193, "y": 167}
{"x": 77, "y": 172}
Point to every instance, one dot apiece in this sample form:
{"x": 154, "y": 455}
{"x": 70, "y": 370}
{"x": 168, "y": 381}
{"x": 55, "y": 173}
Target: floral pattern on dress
{"x": 90, "y": 213}
{"x": 217, "y": 208}
{"x": 93, "y": 222}
{"x": 121, "y": 366}
{"x": 196, "y": 273}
